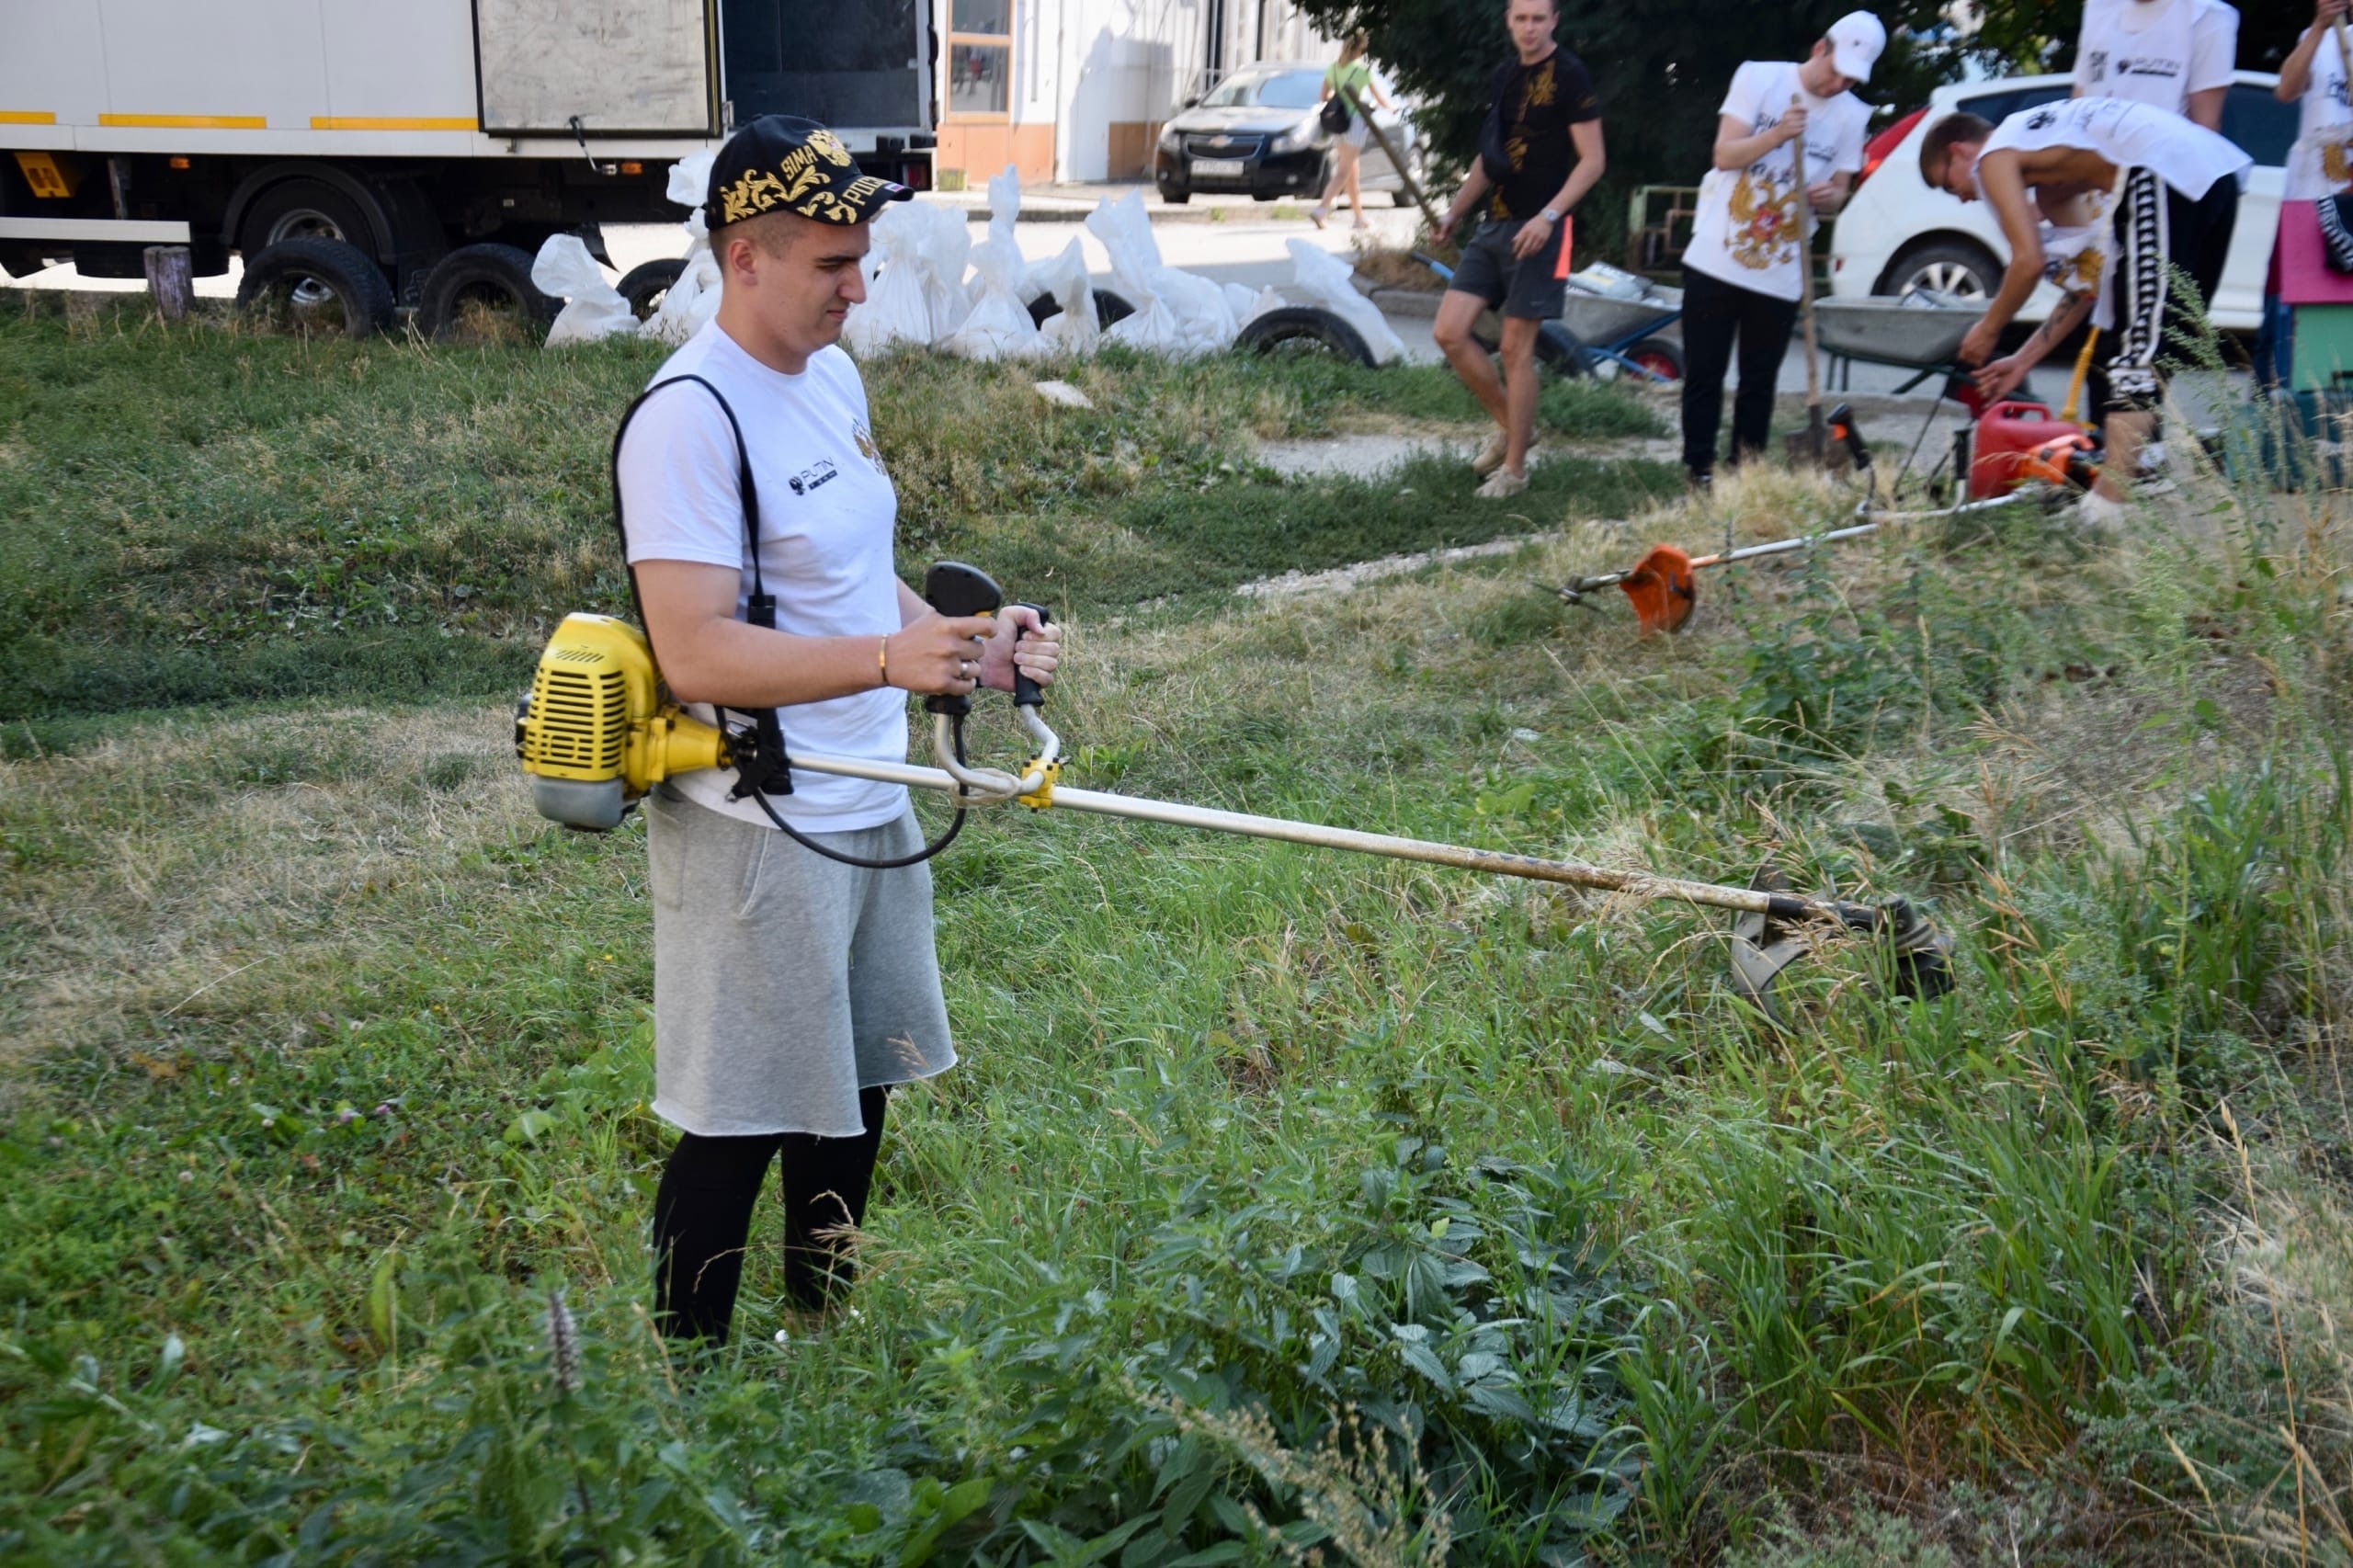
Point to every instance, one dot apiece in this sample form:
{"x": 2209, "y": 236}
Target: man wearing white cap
{"x": 1742, "y": 271}
{"x": 2169, "y": 55}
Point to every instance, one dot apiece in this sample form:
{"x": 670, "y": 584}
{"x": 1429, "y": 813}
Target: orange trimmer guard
{"x": 1661, "y": 589}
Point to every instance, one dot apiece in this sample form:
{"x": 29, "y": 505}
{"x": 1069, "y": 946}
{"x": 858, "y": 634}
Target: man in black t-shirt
{"x": 1540, "y": 152}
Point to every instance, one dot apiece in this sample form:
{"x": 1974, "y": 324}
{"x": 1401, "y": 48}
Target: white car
{"x": 1898, "y": 234}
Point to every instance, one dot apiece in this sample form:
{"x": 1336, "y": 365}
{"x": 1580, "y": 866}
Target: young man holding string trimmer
{"x": 794, "y": 974}
{"x": 1540, "y": 152}
{"x": 1743, "y": 270}
{"x": 2176, "y": 198}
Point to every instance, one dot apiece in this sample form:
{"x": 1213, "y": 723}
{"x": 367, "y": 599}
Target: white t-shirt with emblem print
{"x": 827, "y": 513}
{"x": 1745, "y": 232}
{"x": 2156, "y": 52}
{"x": 2321, "y": 162}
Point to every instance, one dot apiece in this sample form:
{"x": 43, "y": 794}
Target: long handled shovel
{"x": 1404, "y": 175}
{"x": 1813, "y": 445}
{"x": 2083, "y": 372}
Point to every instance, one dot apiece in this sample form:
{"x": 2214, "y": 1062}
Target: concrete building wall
{"x": 1094, "y": 80}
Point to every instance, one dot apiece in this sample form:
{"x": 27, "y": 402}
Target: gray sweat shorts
{"x": 784, "y": 983}
{"x": 1533, "y": 289}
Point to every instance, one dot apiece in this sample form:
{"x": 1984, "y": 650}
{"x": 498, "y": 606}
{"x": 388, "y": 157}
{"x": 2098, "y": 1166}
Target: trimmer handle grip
{"x": 1027, "y": 693}
{"x": 955, "y": 589}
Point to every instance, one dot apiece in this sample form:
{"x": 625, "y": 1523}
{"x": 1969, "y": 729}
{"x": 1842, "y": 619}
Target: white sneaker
{"x": 2098, "y": 513}
{"x": 1502, "y": 485}
{"x": 1490, "y": 456}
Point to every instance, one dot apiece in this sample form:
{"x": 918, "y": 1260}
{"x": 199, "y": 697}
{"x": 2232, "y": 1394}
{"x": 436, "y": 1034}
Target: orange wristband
{"x": 882, "y": 658}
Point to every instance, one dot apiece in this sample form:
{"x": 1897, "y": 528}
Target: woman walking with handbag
{"x": 1347, "y": 80}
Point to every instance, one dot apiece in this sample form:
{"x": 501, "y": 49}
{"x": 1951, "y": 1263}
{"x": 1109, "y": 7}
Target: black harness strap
{"x": 763, "y": 768}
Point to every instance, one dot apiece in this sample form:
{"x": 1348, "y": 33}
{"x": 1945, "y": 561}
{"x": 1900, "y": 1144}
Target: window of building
{"x": 979, "y": 59}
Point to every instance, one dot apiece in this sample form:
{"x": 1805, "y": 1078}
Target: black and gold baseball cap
{"x": 783, "y": 163}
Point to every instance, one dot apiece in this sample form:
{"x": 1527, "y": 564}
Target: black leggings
{"x": 1714, "y": 311}
{"x": 702, "y": 1217}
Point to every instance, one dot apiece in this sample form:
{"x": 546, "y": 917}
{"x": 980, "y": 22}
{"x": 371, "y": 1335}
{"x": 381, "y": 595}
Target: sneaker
{"x": 1502, "y": 485}
{"x": 1490, "y": 456}
{"x": 1316, "y": 214}
{"x": 2097, "y": 514}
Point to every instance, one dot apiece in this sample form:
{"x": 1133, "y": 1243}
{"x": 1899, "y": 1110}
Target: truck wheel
{"x": 303, "y": 209}
{"x": 21, "y": 260}
{"x": 1296, "y": 328}
{"x": 644, "y": 285}
{"x": 315, "y": 286}
{"x": 483, "y": 293}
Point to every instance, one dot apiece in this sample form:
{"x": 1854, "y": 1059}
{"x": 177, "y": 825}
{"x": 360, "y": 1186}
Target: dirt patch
{"x": 1347, "y": 579}
{"x": 1370, "y": 449}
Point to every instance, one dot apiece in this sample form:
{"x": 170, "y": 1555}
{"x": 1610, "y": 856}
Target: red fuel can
{"x": 2017, "y": 441}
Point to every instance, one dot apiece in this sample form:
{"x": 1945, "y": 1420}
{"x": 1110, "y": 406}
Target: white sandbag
{"x": 943, "y": 251}
{"x": 1324, "y": 279}
{"x": 999, "y": 326}
{"x": 692, "y": 301}
{"x": 1267, "y": 299}
{"x": 1200, "y": 309}
{"x": 564, "y": 270}
{"x": 1175, "y": 312}
{"x": 689, "y": 182}
{"x": 1072, "y": 330}
{"x": 896, "y": 310}
{"x": 1125, "y": 230}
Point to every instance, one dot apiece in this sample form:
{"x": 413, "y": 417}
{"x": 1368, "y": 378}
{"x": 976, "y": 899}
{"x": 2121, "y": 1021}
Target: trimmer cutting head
{"x": 1765, "y": 946}
{"x": 1661, "y": 589}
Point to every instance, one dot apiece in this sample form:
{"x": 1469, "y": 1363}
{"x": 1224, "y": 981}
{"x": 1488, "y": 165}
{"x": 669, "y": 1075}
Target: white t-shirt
{"x": 2156, "y": 52}
{"x": 2321, "y": 164}
{"x": 1746, "y": 230}
{"x": 2187, "y": 157}
{"x": 827, "y": 511}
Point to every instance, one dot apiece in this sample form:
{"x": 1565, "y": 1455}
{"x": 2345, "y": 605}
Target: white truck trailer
{"x": 415, "y": 152}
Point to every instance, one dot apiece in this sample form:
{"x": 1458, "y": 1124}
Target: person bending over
{"x": 2174, "y": 193}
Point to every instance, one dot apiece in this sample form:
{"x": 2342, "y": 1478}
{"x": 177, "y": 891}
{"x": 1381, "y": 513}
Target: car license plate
{"x": 1217, "y": 168}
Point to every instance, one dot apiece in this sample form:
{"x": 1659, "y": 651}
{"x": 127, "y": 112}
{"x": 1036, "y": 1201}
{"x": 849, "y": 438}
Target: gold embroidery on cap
{"x": 798, "y": 184}
{"x": 753, "y": 192}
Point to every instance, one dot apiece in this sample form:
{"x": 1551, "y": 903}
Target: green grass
{"x": 1283, "y": 1200}
{"x": 201, "y": 515}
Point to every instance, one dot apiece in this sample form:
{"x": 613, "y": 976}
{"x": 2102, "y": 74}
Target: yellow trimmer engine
{"x": 594, "y": 732}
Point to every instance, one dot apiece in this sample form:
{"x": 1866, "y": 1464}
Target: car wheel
{"x": 315, "y": 286}
{"x": 1948, "y": 267}
{"x": 1305, "y": 329}
{"x": 1175, "y": 198}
